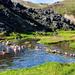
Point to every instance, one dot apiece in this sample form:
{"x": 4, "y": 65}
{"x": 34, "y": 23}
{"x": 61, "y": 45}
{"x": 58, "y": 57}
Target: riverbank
{"x": 52, "y": 68}
{"x": 45, "y": 37}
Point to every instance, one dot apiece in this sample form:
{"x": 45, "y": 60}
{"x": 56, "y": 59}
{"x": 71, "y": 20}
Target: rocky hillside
{"x": 16, "y": 18}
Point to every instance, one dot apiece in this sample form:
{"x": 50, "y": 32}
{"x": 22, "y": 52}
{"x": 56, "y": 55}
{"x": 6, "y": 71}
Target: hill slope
{"x": 17, "y": 18}
{"x": 30, "y": 4}
{"x": 66, "y": 6}
{"x": 62, "y": 7}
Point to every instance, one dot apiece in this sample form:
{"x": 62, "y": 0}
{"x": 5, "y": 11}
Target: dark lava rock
{"x": 6, "y": 2}
{"x": 16, "y": 18}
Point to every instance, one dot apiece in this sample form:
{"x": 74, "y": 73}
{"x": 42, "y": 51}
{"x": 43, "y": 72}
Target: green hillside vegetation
{"x": 66, "y": 6}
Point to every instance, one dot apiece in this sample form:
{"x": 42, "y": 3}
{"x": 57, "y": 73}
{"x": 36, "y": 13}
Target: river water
{"x": 31, "y": 57}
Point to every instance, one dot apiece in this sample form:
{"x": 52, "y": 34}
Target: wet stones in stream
{"x": 9, "y": 49}
{"x": 61, "y": 53}
{"x": 54, "y": 50}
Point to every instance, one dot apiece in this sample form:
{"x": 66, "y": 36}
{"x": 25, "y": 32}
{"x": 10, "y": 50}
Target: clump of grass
{"x": 72, "y": 45}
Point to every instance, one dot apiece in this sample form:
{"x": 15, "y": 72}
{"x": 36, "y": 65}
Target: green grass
{"x": 51, "y": 68}
{"x": 62, "y": 35}
{"x": 72, "y": 45}
{"x": 45, "y": 38}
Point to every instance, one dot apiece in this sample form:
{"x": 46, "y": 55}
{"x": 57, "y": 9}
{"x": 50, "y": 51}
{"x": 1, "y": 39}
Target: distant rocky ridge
{"x": 16, "y": 18}
{"x": 30, "y": 4}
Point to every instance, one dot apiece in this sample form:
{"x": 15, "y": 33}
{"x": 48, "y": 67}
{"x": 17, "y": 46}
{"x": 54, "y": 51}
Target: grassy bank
{"x": 47, "y": 37}
{"x": 51, "y": 68}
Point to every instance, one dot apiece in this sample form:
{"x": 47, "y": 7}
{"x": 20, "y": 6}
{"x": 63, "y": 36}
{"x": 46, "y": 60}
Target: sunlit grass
{"x": 45, "y": 39}
{"x": 51, "y": 68}
{"x": 72, "y": 45}
{"x": 62, "y": 35}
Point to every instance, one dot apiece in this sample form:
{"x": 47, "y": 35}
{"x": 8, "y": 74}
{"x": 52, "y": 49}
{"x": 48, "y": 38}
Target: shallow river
{"x": 33, "y": 57}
